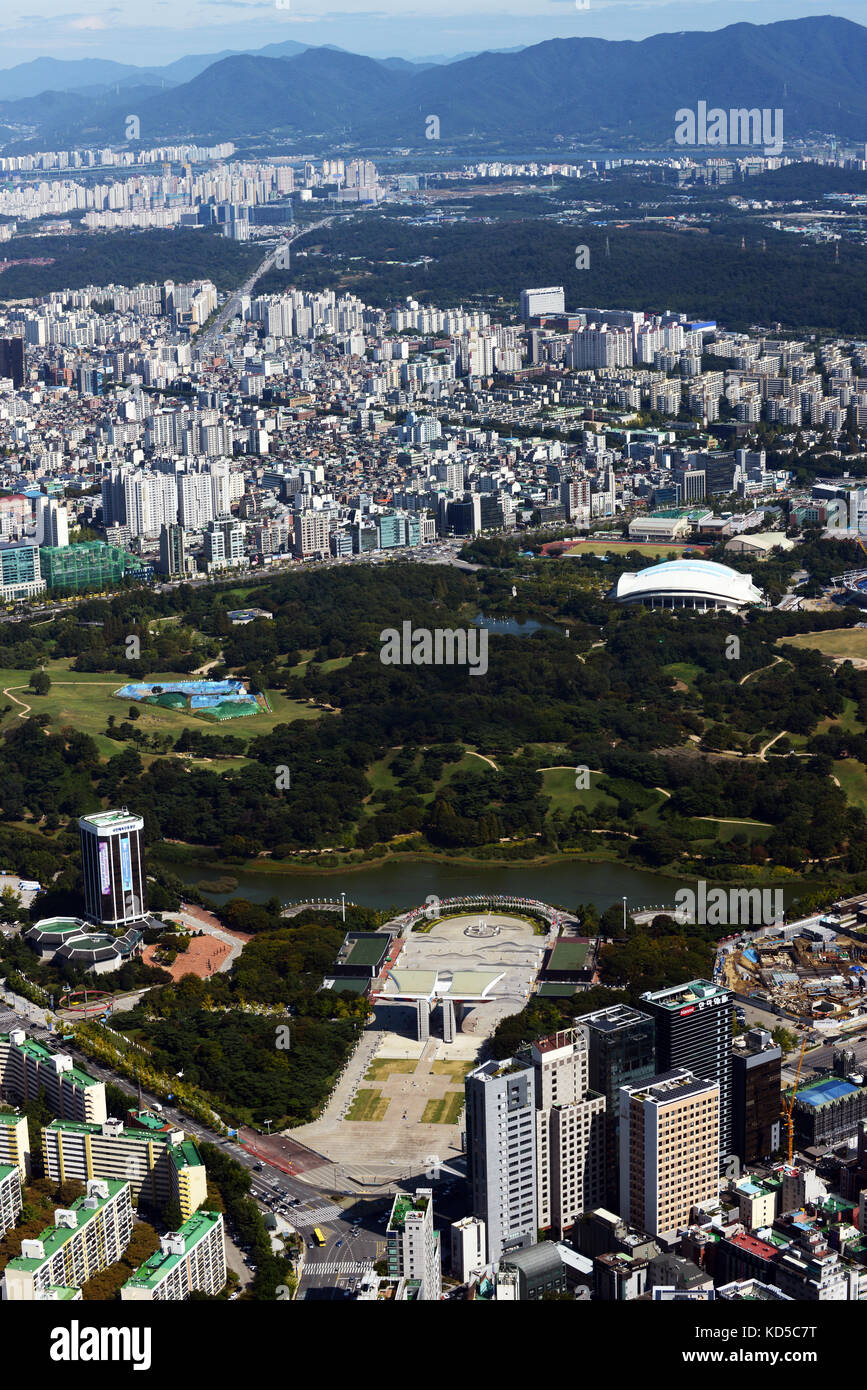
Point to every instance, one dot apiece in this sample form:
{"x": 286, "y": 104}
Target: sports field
{"x": 619, "y": 547}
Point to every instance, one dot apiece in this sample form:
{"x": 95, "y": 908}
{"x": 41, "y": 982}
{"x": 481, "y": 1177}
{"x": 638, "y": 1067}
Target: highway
{"x": 232, "y": 306}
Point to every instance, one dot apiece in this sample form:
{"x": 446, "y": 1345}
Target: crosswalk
{"x": 317, "y": 1215}
{"x": 341, "y": 1267}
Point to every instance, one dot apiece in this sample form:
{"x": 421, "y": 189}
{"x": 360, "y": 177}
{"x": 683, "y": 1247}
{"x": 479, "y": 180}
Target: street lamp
{"x": 343, "y": 905}
{"x": 269, "y": 1124}
{"x": 624, "y": 914}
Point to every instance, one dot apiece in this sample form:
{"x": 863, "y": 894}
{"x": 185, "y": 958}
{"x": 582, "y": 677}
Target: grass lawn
{"x": 685, "y": 671}
{"x": 456, "y": 1070}
{"x": 852, "y": 777}
{"x": 86, "y": 699}
{"x": 368, "y": 1105}
{"x": 384, "y": 1067}
{"x": 559, "y": 784}
{"x": 842, "y": 642}
{"x": 847, "y": 720}
{"x": 444, "y": 1111}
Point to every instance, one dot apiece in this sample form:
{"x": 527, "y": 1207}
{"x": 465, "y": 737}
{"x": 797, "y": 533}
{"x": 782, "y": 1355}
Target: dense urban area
{"x": 433, "y": 680}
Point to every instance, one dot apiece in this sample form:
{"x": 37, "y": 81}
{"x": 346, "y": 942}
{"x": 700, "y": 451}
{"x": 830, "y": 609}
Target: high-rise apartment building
{"x": 669, "y": 1137}
{"x": 160, "y": 1165}
{"x": 188, "y": 1260}
{"x": 412, "y": 1246}
{"x": 85, "y": 1239}
{"x": 28, "y": 1067}
{"x": 311, "y": 531}
{"x": 11, "y": 1201}
{"x": 501, "y": 1153}
{"x": 113, "y": 863}
{"x": 694, "y": 1030}
{"x": 570, "y": 1130}
{"x": 15, "y": 1143}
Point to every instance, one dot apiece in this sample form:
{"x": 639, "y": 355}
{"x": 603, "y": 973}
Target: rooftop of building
{"x": 40, "y": 1053}
{"x": 161, "y": 1262}
{"x": 53, "y": 1238}
{"x": 404, "y": 1204}
{"x": 109, "y": 820}
{"x": 825, "y": 1090}
{"x": 678, "y": 996}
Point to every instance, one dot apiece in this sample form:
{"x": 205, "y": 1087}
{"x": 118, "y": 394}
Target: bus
{"x": 318, "y": 1236}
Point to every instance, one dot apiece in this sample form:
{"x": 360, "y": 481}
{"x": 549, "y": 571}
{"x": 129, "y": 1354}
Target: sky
{"x": 153, "y": 32}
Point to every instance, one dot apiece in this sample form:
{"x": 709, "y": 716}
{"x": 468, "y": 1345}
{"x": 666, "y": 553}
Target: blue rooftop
{"x": 832, "y": 1088}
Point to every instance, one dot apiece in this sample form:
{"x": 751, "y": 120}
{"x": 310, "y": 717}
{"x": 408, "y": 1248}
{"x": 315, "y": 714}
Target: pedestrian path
{"x": 340, "y": 1267}
{"x": 313, "y": 1218}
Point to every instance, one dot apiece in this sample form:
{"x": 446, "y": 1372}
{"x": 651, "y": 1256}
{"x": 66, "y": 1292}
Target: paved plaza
{"x": 399, "y": 1105}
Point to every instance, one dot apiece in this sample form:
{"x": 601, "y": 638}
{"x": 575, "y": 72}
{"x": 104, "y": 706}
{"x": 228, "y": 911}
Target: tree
{"x": 40, "y": 682}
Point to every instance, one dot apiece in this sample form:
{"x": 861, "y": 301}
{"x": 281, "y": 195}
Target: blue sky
{"x": 158, "y": 31}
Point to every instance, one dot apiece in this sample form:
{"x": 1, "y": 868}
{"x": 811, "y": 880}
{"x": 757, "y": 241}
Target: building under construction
{"x": 808, "y": 972}
{"x": 74, "y": 569}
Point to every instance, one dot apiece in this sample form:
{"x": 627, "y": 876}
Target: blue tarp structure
{"x": 204, "y": 694}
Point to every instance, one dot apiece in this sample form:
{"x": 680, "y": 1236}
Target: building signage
{"x": 104, "y": 871}
{"x": 125, "y": 864}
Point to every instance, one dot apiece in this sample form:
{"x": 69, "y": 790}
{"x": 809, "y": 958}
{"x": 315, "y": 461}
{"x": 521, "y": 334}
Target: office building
{"x": 12, "y": 361}
{"x": 468, "y": 1248}
{"x": 15, "y": 1143}
{"x": 173, "y": 551}
{"x": 113, "y": 863}
{"x": 570, "y": 1130}
{"x": 11, "y": 1201}
{"x": 20, "y": 572}
{"x": 28, "y": 1067}
{"x": 188, "y": 1260}
{"x": 622, "y": 1052}
{"x": 539, "y": 302}
{"x": 669, "y": 1139}
{"x": 756, "y": 1087}
{"x": 501, "y": 1153}
{"x": 694, "y": 1030}
{"x": 160, "y": 1165}
{"x": 85, "y": 1239}
{"x": 412, "y": 1246}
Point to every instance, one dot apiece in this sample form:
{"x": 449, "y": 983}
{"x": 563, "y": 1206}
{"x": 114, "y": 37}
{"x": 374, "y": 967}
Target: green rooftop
{"x": 55, "y": 1237}
{"x": 160, "y": 1264}
{"x": 403, "y": 1205}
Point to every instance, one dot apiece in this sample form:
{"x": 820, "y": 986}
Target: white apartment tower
{"x": 501, "y": 1153}
{"x": 570, "y": 1130}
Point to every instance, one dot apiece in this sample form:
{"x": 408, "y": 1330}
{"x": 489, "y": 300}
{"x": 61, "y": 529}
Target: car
{"x": 311, "y": 1245}
{"x": 338, "y": 1245}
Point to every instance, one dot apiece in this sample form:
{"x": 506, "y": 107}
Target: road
{"x": 327, "y": 1271}
{"x": 232, "y": 306}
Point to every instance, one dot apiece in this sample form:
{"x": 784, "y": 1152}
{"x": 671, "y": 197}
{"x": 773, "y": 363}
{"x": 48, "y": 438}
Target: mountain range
{"x": 619, "y": 94}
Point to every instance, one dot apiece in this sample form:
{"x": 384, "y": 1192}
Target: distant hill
{"x": 591, "y": 90}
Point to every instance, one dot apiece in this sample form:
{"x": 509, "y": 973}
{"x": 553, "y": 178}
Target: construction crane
{"x": 789, "y": 1105}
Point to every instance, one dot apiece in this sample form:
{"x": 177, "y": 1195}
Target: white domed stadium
{"x": 702, "y": 585}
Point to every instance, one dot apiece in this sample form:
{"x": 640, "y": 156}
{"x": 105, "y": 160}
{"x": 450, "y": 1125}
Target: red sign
{"x": 689, "y": 1010}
